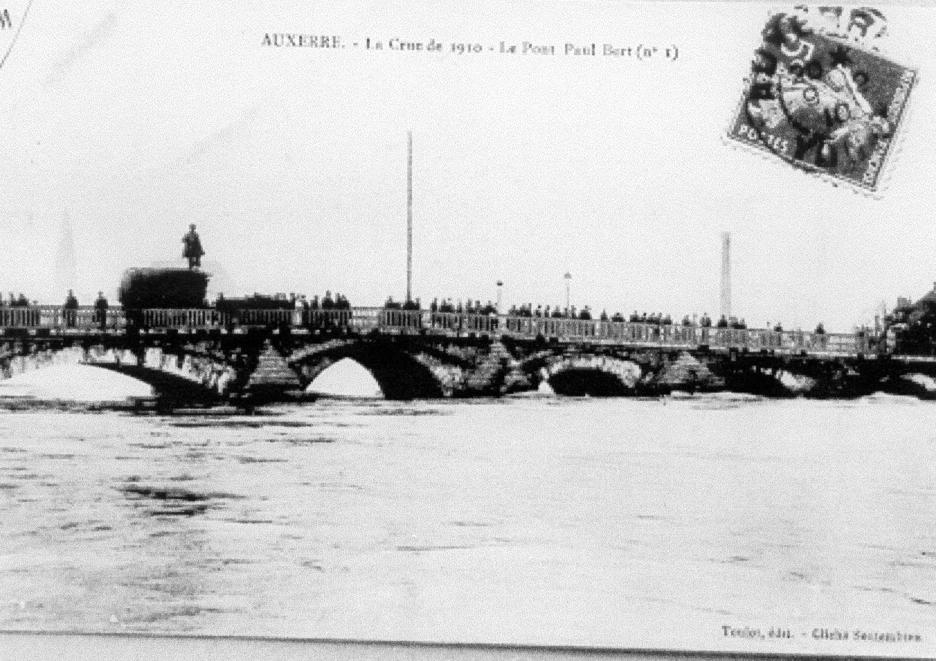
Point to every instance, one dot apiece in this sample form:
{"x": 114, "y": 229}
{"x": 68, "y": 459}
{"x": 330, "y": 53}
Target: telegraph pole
{"x": 409, "y": 216}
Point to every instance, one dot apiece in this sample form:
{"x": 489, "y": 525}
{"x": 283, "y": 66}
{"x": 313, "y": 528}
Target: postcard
{"x": 541, "y": 325}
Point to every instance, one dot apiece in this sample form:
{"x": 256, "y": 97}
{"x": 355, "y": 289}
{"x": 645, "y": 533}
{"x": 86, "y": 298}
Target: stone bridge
{"x": 417, "y": 356}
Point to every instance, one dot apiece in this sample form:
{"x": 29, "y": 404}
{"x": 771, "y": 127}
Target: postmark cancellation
{"x": 821, "y": 96}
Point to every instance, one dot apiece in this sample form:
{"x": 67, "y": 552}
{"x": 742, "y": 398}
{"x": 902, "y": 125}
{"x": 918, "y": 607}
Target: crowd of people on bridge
{"x": 527, "y": 310}
{"x": 193, "y": 251}
{"x": 292, "y": 301}
{"x": 16, "y": 301}
{"x": 301, "y": 305}
{"x": 328, "y": 302}
{"x": 32, "y": 314}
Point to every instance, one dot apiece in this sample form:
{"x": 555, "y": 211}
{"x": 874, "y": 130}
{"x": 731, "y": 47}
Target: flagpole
{"x": 409, "y": 216}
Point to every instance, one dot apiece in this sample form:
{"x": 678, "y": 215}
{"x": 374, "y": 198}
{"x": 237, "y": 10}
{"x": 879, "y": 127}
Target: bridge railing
{"x": 366, "y": 320}
{"x": 600, "y": 331}
{"x": 200, "y": 318}
{"x": 84, "y": 318}
{"x": 616, "y": 332}
{"x": 448, "y": 323}
{"x": 209, "y": 318}
{"x": 322, "y": 319}
{"x": 20, "y": 317}
{"x": 260, "y": 317}
{"x": 785, "y": 341}
{"x": 400, "y": 321}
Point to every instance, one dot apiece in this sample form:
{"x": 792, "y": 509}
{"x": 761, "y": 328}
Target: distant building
{"x": 911, "y": 327}
{"x": 907, "y": 311}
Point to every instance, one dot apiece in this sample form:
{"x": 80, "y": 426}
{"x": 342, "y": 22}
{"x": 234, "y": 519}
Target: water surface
{"x": 616, "y": 522}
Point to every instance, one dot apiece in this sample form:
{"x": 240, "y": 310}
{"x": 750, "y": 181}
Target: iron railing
{"x": 412, "y": 322}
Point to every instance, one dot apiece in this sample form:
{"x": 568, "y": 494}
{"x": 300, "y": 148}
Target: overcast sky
{"x": 133, "y": 121}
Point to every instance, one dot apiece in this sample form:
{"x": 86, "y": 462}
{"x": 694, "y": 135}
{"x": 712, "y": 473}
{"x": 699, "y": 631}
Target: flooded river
{"x": 674, "y": 522}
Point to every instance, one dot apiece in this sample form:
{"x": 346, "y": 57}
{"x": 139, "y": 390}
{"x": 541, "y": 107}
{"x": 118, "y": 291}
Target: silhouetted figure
{"x": 299, "y": 307}
{"x": 70, "y": 309}
{"x": 193, "y": 248}
{"x": 100, "y": 311}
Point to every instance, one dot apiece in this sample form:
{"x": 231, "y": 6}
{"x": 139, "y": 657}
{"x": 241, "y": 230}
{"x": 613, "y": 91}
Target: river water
{"x": 601, "y": 522}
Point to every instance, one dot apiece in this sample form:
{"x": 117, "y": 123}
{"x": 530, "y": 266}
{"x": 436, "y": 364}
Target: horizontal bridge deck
{"x": 85, "y": 321}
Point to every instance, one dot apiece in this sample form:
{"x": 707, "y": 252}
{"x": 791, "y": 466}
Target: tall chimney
{"x": 726, "y": 275}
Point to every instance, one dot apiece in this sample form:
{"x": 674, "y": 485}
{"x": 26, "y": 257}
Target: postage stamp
{"x": 820, "y": 96}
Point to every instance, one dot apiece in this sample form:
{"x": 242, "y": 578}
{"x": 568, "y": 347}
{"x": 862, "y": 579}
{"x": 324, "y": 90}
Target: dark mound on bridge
{"x": 163, "y": 288}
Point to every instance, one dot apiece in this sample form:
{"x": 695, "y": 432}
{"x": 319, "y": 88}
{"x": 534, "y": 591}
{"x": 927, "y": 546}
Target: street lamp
{"x": 500, "y": 284}
{"x": 568, "y": 279}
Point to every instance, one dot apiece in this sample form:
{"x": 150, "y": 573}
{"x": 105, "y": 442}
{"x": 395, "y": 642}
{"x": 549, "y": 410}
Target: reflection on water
{"x": 550, "y": 520}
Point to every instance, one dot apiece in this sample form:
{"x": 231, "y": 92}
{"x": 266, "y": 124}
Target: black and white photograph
{"x": 536, "y": 329}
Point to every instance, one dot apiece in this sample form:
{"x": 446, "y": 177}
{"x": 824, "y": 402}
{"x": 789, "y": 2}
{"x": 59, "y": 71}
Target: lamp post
{"x": 568, "y": 279}
{"x": 500, "y": 285}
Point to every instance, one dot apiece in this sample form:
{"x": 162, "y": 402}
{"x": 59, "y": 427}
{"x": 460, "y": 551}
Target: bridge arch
{"x": 583, "y": 373}
{"x": 782, "y": 377}
{"x": 345, "y": 378}
{"x": 184, "y": 373}
{"x": 400, "y": 374}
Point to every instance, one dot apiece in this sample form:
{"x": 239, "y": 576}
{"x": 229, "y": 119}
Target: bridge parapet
{"x": 84, "y": 318}
{"x": 368, "y": 320}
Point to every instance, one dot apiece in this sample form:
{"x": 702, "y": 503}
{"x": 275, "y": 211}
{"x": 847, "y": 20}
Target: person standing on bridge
{"x": 70, "y": 309}
{"x": 100, "y": 310}
{"x": 193, "y": 250}
{"x": 299, "y": 308}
